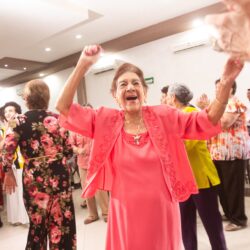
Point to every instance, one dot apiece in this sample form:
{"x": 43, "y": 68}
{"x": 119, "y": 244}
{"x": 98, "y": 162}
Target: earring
{"x": 117, "y": 101}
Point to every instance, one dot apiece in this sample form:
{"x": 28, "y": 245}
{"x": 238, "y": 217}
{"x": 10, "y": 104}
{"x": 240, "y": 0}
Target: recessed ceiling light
{"x": 24, "y": 68}
{"x": 41, "y": 74}
{"x": 6, "y": 65}
{"x": 47, "y": 49}
{"x": 78, "y": 36}
{"x": 197, "y": 23}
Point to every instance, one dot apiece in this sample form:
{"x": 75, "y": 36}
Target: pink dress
{"x": 142, "y": 215}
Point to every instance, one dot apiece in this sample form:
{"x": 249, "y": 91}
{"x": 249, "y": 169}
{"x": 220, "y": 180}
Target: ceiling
{"x": 27, "y": 27}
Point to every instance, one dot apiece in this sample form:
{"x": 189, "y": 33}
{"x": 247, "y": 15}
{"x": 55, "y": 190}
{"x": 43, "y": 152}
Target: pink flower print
{"x": 51, "y": 124}
{"x": 26, "y": 180}
{"x": 55, "y": 234}
{"x": 36, "y": 218}
{"x": 42, "y": 199}
{"x": 36, "y": 163}
{"x": 56, "y": 212}
{"x": 33, "y": 191}
{"x": 54, "y": 183}
{"x": 65, "y": 195}
{"x": 59, "y": 148}
{"x": 39, "y": 179}
{"x": 36, "y": 239}
{"x": 24, "y": 143}
{"x": 63, "y": 132}
{"x": 28, "y": 176}
{"x": 64, "y": 183}
{"x": 34, "y": 144}
{"x": 64, "y": 160}
{"x": 68, "y": 214}
{"x": 47, "y": 141}
{"x": 51, "y": 152}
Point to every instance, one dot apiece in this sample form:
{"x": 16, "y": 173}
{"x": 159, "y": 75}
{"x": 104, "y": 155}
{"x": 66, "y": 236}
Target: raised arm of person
{"x": 233, "y": 28}
{"x": 231, "y": 70}
{"x": 238, "y": 5}
{"x": 89, "y": 56}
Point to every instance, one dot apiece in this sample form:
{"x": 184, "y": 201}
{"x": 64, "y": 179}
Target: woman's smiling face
{"x": 9, "y": 112}
{"x": 130, "y": 93}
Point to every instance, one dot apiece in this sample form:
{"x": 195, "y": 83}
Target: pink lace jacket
{"x": 167, "y": 127}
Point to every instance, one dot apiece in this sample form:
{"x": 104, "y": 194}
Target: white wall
{"x": 197, "y": 67}
{"x": 55, "y": 83}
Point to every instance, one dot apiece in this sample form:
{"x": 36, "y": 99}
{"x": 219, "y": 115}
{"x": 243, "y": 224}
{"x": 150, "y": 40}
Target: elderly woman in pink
{"x": 138, "y": 154}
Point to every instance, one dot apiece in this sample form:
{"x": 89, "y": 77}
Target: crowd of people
{"x": 158, "y": 166}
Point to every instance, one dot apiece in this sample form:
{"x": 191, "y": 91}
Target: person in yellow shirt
{"x": 207, "y": 179}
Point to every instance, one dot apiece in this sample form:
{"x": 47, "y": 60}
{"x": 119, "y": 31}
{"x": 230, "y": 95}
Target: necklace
{"x": 136, "y": 137}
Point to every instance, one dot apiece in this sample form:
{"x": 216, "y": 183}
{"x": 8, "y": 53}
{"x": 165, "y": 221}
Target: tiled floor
{"x": 92, "y": 236}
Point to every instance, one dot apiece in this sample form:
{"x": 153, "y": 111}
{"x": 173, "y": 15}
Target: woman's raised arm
{"x": 89, "y": 56}
{"x": 232, "y": 69}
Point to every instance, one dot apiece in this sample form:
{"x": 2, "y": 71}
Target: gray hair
{"x": 181, "y": 92}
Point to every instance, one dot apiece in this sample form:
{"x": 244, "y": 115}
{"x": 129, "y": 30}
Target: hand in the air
{"x": 203, "y": 101}
{"x": 232, "y": 69}
{"x": 90, "y": 54}
{"x": 233, "y": 28}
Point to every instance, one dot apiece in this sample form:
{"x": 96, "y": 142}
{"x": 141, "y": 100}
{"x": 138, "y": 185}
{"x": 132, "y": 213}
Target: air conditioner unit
{"x": 188, "y": 45}
{"x": 114, "y": 64}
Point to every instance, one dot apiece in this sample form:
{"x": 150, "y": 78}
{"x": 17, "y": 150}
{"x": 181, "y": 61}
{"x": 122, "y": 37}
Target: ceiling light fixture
{"x": 78, "y": 36}
{"x": 6, "y": 65}
{"x": 41, "y": 74}
{"x": 24, "y": 68}
{"x": 47, "y": 49}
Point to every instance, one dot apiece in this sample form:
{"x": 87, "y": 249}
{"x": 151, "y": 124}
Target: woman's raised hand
{"x": 232, "y": 69}
{"x": 203, "y": 101}
{"x": 90, "y": 54}
{"x": 233, "y": 28}
{"x": 238, "y": 5}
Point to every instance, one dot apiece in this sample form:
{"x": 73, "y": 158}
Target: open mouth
{"x": 131, "y": 98}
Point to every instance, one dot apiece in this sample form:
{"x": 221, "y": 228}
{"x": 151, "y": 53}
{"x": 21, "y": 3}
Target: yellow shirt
{"x": 203, "y": 167}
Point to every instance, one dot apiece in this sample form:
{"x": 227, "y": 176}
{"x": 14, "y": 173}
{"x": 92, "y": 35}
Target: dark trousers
{"x": 206, "y": 203}
{"x": 232, "y": 189}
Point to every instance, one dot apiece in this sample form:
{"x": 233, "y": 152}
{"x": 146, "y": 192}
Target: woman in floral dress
{"x": 46, "y": 177}
{"x": 230, "y": 151}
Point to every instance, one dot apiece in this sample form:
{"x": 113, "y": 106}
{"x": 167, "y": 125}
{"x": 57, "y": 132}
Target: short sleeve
{"x": 80, "y": 120}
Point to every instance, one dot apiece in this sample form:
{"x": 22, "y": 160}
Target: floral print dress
{"x": 232, "y": 143}
{"x": 46, "y": 178}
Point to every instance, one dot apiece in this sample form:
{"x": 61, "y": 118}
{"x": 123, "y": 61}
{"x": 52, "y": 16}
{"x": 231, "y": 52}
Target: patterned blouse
{"x": 40, "y": 138}
{"x": 232, "y": 143}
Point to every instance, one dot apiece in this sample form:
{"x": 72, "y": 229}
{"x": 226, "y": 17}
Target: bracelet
{"x": 224, "y": 104}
